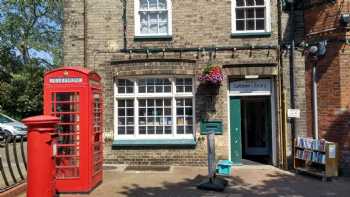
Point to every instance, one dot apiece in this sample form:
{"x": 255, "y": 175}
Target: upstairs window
{"x": 153, "y": 18}
{"x": 251, "y": 16}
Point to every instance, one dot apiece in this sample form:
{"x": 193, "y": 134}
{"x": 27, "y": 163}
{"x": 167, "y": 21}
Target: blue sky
{"x": 41, "y": 54}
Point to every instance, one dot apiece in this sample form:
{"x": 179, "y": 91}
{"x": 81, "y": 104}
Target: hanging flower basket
{"x": 212, "y": 74}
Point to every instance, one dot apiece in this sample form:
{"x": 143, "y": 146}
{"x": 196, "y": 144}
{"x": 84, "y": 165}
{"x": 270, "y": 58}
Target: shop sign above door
{"x": 250, "y": 87}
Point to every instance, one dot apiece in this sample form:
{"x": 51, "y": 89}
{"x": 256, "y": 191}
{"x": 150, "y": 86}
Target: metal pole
{"x": 314, "y": 98}
{"x": 2, "y": 170}
{"x": 14, "y": 149}
{"x": 211, "y": 155}
{"x": 23, "y": 154}
{"x": 213, "y": 182}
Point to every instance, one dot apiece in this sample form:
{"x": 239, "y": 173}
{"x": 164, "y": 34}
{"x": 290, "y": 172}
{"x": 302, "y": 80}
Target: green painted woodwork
{"x": 235, "y": 130}
{"x": 251, "y": 34}
{"x": 211, "y": 125}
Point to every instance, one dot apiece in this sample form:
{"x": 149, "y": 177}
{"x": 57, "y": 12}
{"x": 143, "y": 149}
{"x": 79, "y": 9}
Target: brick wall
{"x": 157, "y": 156}
{"x": 332, "y": 77}
{"x": 202, "y": 23}
{"x": 73, "y": 48}
{"x": 195, "y": 24}
{"x": 297, "y": 32}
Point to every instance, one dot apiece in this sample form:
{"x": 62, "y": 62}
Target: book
{"x": 308, "y": 155}
{"x": 312, "y": 144}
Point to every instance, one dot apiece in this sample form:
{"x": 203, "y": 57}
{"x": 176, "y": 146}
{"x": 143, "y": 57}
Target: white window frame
{"x": 138, "y": 22}
{"x": 267, "y": 19}
{"x": 136, "y": 96}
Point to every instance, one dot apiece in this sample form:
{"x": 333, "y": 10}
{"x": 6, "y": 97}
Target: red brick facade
{"x": 322, "y": 22}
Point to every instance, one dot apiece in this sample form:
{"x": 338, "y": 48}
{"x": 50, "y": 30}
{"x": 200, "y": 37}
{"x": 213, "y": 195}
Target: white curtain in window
{"x": 153, "y": 17}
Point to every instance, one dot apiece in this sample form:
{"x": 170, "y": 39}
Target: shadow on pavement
{"x": 271, "y": 184}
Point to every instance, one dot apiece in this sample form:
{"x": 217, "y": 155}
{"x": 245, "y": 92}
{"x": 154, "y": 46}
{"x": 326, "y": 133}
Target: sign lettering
{"x": 66, "y": 80}
{"x": 293, "y": 113}
{"x": 255, "y": 86}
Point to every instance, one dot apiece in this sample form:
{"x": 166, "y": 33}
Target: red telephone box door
{"x": 66, "y": 106}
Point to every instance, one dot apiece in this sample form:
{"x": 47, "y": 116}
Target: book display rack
{"x": 316, "y": 157}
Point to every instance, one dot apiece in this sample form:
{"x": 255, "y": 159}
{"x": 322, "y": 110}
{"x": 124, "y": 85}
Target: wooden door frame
{"x": 273, "y": 98}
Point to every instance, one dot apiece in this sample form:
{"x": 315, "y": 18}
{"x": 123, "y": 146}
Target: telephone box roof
{"x": 78, "y": 69}
{"x": 74, "y": 68}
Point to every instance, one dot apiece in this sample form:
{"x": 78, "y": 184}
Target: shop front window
{"x": 158, "y": 108}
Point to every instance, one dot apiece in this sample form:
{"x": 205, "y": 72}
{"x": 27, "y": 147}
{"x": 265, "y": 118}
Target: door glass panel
{"x": 67, "y": 107}
{"x": 67, "y": 96}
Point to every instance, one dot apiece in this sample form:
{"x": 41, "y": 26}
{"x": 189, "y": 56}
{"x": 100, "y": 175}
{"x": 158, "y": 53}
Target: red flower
{"x": 212, "y": 74}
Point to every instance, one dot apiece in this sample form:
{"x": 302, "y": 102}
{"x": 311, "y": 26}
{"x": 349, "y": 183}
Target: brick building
{"x": 150, "y": 54}
{"x": 323, "y": 22}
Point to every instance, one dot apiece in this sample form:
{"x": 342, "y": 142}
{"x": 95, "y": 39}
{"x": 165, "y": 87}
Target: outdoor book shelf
{"x": 316, "y": 157}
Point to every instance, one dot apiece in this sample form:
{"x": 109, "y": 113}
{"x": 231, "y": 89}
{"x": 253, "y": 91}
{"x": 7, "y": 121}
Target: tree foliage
{"x": 22, "y": 97}
{"x": 30, "y": 42}
{"x": 27, "y": 25}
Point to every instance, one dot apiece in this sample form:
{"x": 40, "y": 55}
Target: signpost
{"x": 213, "y": 182}
{"x": 211, "y": 155}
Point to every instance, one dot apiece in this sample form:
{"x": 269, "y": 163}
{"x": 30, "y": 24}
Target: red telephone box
{"x": 74, "y": 95}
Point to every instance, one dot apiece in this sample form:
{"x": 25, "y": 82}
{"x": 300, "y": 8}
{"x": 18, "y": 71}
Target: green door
{"x": 235, "y": 130}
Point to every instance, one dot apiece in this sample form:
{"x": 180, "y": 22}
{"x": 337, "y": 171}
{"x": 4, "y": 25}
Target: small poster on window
{"x": 332, "y": 151}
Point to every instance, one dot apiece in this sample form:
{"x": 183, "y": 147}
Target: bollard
{"x": 41, "y": 161}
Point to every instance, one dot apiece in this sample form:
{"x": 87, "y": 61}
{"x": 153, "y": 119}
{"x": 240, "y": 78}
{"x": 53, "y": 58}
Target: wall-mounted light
{"x": 345, "y": 19}
{"x": 319, "y": 49}
{"x": 313, "y": 50}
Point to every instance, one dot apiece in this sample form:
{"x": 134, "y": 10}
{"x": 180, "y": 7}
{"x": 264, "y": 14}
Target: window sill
{"x": 154, "y": 143}
{"x": 154, "y": 38}
{"x": 250, "y": 34}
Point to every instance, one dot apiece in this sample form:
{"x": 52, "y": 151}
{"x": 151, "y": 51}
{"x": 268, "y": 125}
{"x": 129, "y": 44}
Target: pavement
{"x": 248, "y": 180}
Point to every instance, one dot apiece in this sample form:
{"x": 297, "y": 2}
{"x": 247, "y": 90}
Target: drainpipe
{"x": 291, "y": 71}
{"x": 85, "y": 33}
{"x": 125, "y": 25}
{"x": 314, "y": 99}
{"x": 317, "y": 52}
{"x": 281, "y": 109}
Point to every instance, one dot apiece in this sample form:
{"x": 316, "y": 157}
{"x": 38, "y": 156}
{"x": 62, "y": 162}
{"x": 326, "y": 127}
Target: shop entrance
{"x": 256, "y": 128}
{"x": 252, "y": 129}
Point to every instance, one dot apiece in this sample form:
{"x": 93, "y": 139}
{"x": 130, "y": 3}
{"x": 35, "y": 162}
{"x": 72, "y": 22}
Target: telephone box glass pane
{"x": 97, "y": 130}
{"x": 66, "y": 106}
